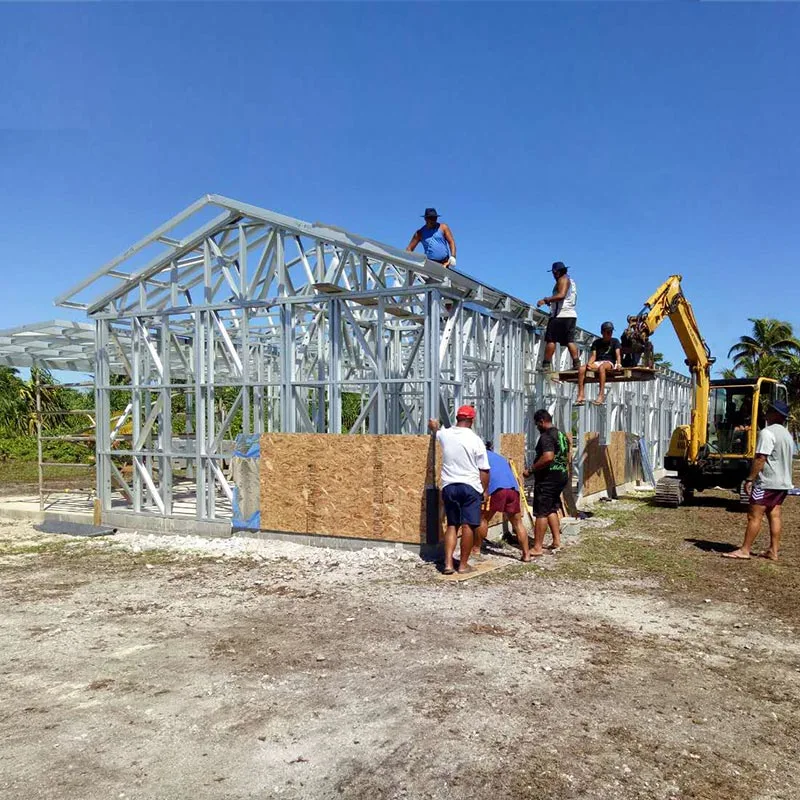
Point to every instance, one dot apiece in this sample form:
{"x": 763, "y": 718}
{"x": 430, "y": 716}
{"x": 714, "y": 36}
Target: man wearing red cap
{"x": 464, "y": 482}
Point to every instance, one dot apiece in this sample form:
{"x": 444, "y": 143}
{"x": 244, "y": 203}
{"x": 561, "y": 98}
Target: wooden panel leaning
{"x": 605, "y": 466}
{"x": 512, "y": 446}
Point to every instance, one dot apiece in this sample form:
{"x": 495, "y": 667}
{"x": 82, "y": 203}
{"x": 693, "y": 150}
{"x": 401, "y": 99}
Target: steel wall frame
{"x": 292, "y": 316}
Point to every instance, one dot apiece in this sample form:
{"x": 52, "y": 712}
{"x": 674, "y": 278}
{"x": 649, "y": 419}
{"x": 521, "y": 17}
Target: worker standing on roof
{"x": 437, "y": 240}
{"x": 606, "y": 355}
{"x": 563, "y": 317}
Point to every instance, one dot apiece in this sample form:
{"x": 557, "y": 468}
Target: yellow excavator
{"x": 717, "y": 446}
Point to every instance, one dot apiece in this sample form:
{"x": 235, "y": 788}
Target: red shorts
{"x": 505, "y": 501}
{"x": 769, "y": 498}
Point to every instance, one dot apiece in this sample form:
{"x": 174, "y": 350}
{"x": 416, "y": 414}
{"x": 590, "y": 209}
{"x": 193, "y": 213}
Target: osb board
{"x": 407, "y": 465}
{"x": 604, "y": 465}
{"x": 512, "y": 446}
{"x": 365, "y": 487}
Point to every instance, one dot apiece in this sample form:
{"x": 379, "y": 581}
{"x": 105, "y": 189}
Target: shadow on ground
{"x": 708, "y": 546}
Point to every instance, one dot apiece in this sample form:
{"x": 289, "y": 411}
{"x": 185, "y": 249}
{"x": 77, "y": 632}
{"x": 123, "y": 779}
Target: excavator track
{"x": 669, "y": 492}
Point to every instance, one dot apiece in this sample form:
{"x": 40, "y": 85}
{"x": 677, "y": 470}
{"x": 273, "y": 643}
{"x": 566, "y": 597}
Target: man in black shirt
{"x": 606, "y": 355}
{"x": 550, "y": 471}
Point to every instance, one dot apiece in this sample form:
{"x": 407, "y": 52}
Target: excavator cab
{"x": 736, "y": 413}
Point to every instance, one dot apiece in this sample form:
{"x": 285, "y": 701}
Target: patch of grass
{"x": 28, "y": 548}
{"x": 621, "y": 517}
{"x": 581, "y": 569}
{"x": 637, "y": 555}
{"x": 26, "y": 473}
{"x": 606, "y": 553}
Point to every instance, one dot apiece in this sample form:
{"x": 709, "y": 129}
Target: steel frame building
{"x": 293, "y": 317}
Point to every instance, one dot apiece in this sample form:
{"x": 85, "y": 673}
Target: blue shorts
{"x": 462, "y": 505}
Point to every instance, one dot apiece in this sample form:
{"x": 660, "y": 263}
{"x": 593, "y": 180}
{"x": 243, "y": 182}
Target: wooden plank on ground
{"x": 478, "y": 568}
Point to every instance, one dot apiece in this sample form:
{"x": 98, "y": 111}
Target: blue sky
{"x": 631, "y": 141}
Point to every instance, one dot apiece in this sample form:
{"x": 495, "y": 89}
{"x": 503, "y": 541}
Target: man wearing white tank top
{"x": 563, "y": 317}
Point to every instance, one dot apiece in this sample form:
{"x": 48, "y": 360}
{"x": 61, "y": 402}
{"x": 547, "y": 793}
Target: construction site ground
{"x": 636, "y": 663}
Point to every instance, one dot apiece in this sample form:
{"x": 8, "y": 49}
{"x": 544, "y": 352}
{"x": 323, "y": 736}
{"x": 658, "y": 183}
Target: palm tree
{"x": 772, "y": 351}
{"x": 767, "y": 350}
{"x": 791, "y": 377}
{"x": 12, "y": 405}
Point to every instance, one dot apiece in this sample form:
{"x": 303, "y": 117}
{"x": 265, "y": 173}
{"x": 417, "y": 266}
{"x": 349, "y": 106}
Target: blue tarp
{"x": 246, "y": 500}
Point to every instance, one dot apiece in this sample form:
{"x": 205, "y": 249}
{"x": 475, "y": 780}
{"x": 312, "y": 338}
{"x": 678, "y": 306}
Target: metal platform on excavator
{"x": 612, "y": 375}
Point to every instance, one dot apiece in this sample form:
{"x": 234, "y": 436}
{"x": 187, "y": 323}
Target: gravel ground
{"x": 170, "y": 667}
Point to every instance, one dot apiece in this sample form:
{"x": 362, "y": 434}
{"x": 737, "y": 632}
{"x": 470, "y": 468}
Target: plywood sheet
{"x": 285, "y": 484}
{"x": 606, "y": 466}
{"x": 366, "y": 487}
{"x": 512, "y": 446}
{"x": 406, "y": 466}
{"x": 597, "y": 474}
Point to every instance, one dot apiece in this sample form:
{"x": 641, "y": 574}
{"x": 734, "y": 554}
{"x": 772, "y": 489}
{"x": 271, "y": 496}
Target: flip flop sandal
{"x": 448, "y": 571}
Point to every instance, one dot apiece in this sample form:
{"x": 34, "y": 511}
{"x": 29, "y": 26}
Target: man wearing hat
{"x": 768, "y": 483}
{"x": 606, "y": 354}
{"x": 437, "y": 240}
{"x": 563, "y": 317}
{"x": 464, "y": 484}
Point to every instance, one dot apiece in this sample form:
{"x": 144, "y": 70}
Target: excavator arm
{"x": 668, "y": 301}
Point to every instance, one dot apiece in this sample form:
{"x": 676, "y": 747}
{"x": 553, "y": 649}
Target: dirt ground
{"x": 636, "y": 663}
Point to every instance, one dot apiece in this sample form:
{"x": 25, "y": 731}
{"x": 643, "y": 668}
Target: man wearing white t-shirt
{"x": 464, "y": 482}
{"x": 769, "y": 482}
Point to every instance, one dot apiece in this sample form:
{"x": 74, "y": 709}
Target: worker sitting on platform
{"x": 606, "y": 355}
{"x": 563, "y": 317}
{"x": 437, "y": 240}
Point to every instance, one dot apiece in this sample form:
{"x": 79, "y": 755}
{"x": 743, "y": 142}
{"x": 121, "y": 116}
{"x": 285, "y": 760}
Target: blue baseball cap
{"x": 781, "y": 408}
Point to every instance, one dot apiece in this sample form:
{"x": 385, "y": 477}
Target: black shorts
{"x": 547, "y": 494}
{"x": 462, "y": 505}
{"x": 561, "y": 330}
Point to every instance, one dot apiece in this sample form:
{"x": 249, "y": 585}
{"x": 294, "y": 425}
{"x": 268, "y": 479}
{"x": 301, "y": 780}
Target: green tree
{"x": 660, "y": 363}
{"x": 12, "y": 404}
{"x": 767, "y": 350}
{"x": 771, "y": 351}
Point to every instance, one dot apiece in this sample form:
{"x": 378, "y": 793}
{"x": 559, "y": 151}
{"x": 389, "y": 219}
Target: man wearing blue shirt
{"x": 503, "y": 499}
{"x": 436, "y": 238}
